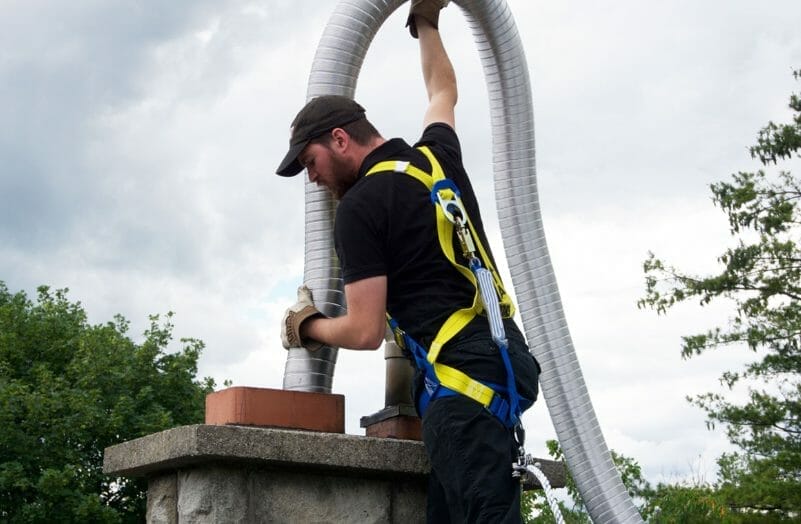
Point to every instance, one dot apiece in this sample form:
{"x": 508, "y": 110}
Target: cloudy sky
{"x": 138, "y": 142}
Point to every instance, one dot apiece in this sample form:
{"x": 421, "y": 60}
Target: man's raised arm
{"x": 438, "y": 73}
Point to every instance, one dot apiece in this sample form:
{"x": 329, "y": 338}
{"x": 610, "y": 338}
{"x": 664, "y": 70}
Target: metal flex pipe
{"x": 335, "y": 70}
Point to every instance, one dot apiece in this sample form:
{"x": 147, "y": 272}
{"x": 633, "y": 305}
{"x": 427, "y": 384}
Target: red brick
{"x": 278, "y": 408}
{"x": 400, "y": 427}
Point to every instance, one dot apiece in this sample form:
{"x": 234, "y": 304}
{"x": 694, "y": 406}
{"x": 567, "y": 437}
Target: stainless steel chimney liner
{"x": 335, "y": 70}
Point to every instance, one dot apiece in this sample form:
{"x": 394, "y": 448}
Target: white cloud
{"x": 138, "y": 157}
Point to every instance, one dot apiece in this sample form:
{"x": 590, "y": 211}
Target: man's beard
{"x": 343, "y": 180}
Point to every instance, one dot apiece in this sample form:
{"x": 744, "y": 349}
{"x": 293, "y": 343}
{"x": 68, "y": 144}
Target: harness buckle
{"x": 445, "y": 193}
{"x": 520, "y": 435}
{"x": 519, "y": 469}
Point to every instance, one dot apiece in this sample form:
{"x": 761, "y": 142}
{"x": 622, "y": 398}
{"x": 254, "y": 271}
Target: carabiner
{"x": 445, "y": 193}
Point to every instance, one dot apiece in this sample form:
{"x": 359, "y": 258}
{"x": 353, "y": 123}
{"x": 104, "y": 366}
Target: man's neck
{"x": 369, "y": 147}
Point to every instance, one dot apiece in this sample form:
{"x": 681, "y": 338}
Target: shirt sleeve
{"x": 442, "y": 137}
{"x": 360, "y": 234}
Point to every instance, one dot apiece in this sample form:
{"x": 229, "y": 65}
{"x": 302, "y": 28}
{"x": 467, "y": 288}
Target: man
{"x": 393, "y": 262}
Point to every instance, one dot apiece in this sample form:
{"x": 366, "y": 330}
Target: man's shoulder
{"x": 444, "y": 142}
{"x": 439, "y": 133}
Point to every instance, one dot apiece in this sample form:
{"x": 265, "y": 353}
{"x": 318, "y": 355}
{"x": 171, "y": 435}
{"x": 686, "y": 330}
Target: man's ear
{"x": 340, "y": 139}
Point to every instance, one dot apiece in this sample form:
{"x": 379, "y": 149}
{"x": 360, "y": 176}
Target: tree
{"x": 676, "y": 503}
{"x": 67, "y": 391}
{"x": 761, "y": 277}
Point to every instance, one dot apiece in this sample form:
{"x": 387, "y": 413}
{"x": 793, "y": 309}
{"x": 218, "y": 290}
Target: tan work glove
{"x": 428, "y": 9}
{"x": 294, "y": 317}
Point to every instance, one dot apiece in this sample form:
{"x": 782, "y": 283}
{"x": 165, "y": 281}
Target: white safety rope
{"x": 535, "y": 470}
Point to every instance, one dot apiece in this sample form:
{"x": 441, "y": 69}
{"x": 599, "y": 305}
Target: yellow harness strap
{"x": 460, "y": 318}
{"x": 456, "y": 380}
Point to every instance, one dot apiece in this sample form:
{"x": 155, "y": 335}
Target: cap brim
{"x": 290, "y": 165}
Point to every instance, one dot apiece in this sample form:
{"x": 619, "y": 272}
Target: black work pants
{"x": 471, "y": 455}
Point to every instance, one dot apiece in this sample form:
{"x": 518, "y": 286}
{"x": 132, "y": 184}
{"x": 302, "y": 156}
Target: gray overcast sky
{"x": 138, "y": 142}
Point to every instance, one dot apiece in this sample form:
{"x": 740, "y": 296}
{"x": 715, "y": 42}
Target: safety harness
{"x": 490, "y": 299}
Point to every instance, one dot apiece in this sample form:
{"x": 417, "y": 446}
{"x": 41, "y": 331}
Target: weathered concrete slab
{"x": 289, "y": 449}
{"x": 211, "y": 473}
{"x": 197, "y": 444}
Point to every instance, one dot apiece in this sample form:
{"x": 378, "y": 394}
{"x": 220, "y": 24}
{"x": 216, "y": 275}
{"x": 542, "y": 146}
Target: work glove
{"x": 294, "y": 317}
{"x": 428, "y": 9}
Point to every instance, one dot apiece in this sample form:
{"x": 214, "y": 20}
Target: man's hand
{"x": 428, "y": 9}
{"x": 294, "y": 317}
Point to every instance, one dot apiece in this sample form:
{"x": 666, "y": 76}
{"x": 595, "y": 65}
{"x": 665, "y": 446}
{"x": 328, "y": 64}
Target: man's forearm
{"x": 438, "y": 74}
{"x": 363, "y": 326}
{"x": 341, "y": 332}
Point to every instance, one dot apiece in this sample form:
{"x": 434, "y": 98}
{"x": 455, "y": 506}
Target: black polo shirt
{"x": 386, "y": 225}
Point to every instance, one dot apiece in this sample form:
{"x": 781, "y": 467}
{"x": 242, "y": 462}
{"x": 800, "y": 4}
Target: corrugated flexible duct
{"x": 335, "y": 70}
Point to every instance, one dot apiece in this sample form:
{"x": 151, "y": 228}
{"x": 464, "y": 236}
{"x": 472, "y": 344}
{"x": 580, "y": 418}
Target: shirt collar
{"x": 389, "y": 149}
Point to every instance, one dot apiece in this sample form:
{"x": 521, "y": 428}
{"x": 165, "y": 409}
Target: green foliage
{"x": 761, "y": 277}
{"x": 754, "y": 486}
{"x": 534, "y": 505}
{"x": 676, "y": 504}
{"x": 67, "y": 391}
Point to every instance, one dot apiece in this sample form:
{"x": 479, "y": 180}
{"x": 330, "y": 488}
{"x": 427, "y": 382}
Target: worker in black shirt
{"x": 394, "y": 261}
